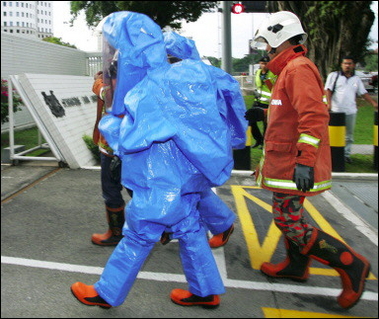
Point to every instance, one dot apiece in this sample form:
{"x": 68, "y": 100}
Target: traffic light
{"x": 255, "y": 6}
{"x": 237, "y": 8}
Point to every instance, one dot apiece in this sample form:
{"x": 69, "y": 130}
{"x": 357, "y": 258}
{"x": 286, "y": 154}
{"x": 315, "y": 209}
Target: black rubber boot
{"x": 295, "y": 266}
{"x": 352, "y": 267}
{"x": 116, "y": 220}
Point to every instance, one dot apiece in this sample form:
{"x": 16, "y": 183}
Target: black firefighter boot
{"x": 116, "y": 220}
{"x": 295, "y": 266}
{"x": 352, "y": 267}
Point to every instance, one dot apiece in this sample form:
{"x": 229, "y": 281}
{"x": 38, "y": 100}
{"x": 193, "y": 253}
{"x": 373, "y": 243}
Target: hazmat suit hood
{"x": 180, "y": 46}
{"x": 136, "y": 43}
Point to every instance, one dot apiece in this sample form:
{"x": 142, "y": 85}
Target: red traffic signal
{"x": 238, "y": 8}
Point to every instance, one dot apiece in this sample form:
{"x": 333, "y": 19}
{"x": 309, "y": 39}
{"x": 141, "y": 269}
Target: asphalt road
{"x": 48, "y": 215}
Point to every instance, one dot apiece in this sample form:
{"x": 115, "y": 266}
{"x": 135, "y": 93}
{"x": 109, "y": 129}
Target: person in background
{"x": 342, "y": 88}
{"x": 110, "y": 180}
{"x": 297, "y": 160}
{"x": 264, "y": 82}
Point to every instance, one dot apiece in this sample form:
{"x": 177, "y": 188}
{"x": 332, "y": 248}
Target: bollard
{"x": 337, "y": 132}
{"x": 376, "y": 140}
{"x": 242, "y": 157}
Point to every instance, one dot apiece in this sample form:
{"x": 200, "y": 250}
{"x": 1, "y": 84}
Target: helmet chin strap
{"x": 272, "y": 51}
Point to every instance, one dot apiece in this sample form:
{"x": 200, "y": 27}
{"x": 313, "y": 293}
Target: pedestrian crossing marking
{"x": 263, "y": 253}
{"x": 285, "y": 313}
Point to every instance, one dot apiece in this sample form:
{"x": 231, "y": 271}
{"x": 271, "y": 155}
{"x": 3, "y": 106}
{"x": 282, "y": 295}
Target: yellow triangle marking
{"x": 284, "y": 313}
{"x": 263, "y": 253}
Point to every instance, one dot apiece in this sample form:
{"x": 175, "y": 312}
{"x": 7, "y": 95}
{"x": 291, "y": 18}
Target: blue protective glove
{"x": 303, "y": 176}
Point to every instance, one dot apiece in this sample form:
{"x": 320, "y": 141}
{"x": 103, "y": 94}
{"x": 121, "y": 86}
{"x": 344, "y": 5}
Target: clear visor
{"x": 259, "y": 44}
{"x": 110, "y": 56}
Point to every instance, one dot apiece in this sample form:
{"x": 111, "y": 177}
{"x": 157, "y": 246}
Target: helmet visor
{"x": 259, "y": 43}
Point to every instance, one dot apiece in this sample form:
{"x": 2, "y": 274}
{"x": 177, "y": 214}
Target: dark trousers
{"x": 258, "y": 117}
{"x": 111, "y": 189}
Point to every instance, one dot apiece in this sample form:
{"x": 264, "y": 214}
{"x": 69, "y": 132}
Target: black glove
{"x": 115, "y": 169}
{"x": 255, "y": 114}
{"x": 303, "y": 176}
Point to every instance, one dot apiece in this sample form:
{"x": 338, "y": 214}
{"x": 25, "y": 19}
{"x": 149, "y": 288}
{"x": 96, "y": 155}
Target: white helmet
{"x": 278, "y": 28}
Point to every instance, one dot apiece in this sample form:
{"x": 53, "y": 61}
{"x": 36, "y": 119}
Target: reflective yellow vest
{"x": 263, "y": 89}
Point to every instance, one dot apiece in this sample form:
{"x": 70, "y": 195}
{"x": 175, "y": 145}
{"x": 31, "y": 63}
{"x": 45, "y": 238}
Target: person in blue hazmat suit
{"x": 174, "y": 143}
{"x": 216, "y": 215}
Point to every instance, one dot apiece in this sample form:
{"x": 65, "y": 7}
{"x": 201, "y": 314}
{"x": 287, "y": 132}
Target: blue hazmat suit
{"x": 174, "y": 144}
{"x": 215, "y": 214}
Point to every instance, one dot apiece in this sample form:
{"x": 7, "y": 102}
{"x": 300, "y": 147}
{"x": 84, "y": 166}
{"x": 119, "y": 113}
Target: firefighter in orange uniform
{"x": 110, "y": 179}
{"x": 297, "y": 163}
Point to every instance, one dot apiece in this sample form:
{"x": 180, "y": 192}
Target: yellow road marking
{"x": 263, "y": 253}
{"x": 285, "y": 313}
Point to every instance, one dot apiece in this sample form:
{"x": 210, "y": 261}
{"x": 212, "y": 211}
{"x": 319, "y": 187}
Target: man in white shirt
{"x": 341, "y": 88}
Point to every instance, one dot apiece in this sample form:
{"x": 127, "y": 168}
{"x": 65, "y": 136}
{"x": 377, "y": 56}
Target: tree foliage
{"x": 371, "y": 62}
{"x": 4, "y": 101}
{"x": 59, "y": 41}
{"x": 335, "y": 29}
{"x": 164, "y": 13}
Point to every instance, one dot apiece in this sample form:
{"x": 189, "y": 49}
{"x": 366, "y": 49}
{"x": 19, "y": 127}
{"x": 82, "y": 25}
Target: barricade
{"x": 242, "y": 157}
{"x": 376, "y": 140}
{"x": 337, "y": 132}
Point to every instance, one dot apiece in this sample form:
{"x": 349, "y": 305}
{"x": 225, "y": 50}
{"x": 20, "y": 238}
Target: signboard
{"x": 65, "y": 107}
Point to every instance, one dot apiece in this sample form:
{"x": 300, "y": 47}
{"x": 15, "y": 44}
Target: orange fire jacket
{"x": 297, "y": 130}
{"x": 97, "y": 137}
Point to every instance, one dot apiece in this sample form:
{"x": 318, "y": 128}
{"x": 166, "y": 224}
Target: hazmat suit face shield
{"x": 110, "y": 69}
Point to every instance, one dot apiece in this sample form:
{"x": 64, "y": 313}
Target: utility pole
{"x": 226, "y": 58}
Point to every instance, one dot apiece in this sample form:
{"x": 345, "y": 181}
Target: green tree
{"x": 214, "y": 61}
{"x": 58, "y": 41}
{"x": 242, "y": 65}
{"x": 335, "y": 29}
{"x": 371, "y": 62}
{"x": 164, "y": 13}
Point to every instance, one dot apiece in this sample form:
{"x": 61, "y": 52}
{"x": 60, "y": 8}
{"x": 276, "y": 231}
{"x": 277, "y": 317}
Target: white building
{"x": 29, "y": 18}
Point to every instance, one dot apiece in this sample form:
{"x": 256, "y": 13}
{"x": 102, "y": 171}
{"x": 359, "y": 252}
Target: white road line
{"x": 348, "y": 214}
{"x": 165, "y": 277}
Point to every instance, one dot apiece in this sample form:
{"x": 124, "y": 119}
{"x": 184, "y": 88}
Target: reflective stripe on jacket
{"x": 297, "y": 130}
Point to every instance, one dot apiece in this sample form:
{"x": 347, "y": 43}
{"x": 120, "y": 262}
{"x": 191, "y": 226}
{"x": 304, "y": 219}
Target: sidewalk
{"x": 48, "y": 215}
